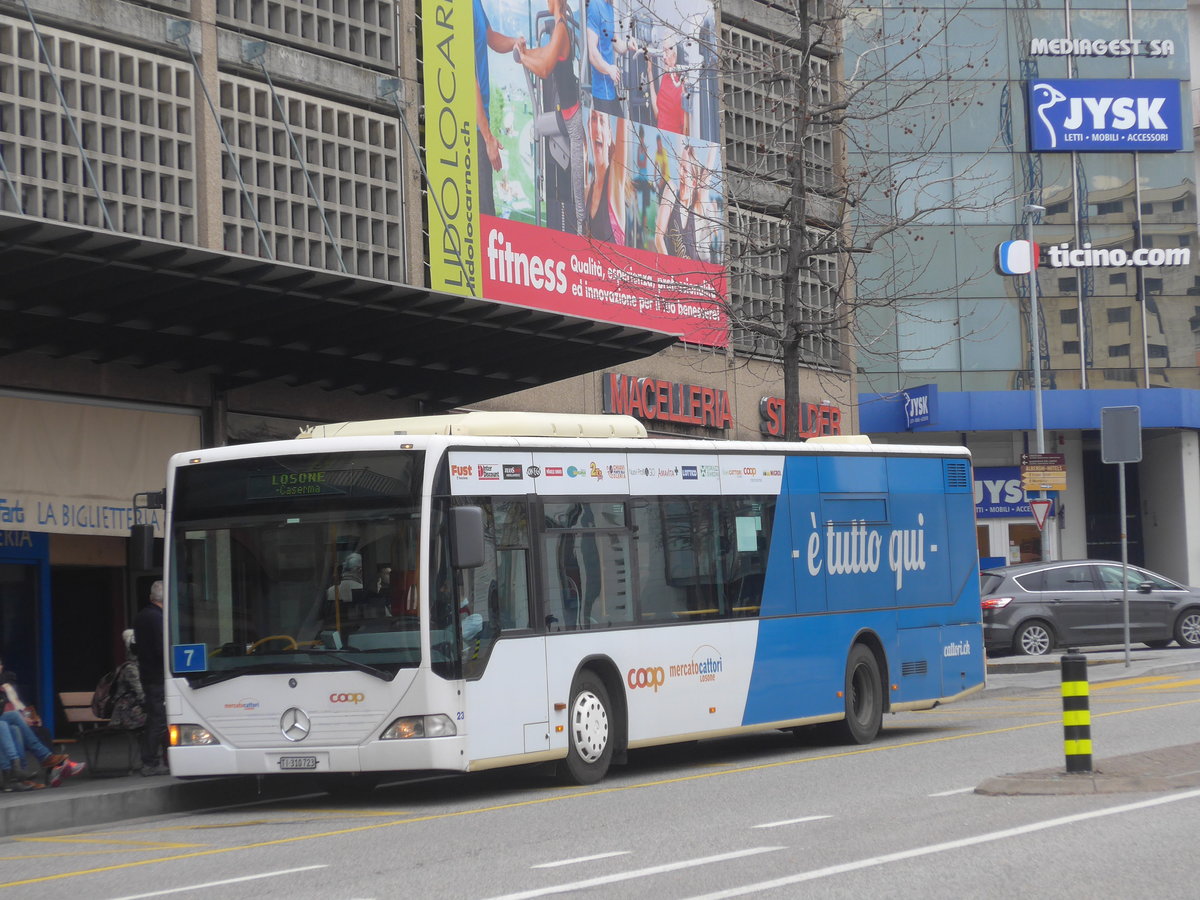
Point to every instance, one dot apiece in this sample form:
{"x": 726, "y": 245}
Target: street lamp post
{"x": 1032, "y": 209}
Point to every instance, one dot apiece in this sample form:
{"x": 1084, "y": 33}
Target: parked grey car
{"x": 1033, "y": 607}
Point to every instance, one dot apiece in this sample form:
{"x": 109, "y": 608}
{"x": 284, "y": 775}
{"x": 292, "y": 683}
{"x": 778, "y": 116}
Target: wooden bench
{"x": 93, "y": 731}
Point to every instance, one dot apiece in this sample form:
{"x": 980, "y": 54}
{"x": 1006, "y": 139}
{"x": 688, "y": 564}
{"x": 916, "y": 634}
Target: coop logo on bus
{"x": 246, "y": 704}
{"x": 488, "y": 472}
{"x": 512, "y": 472}
{"x": 347, "y": 698}
{"x": 652, "y": 677}
{"x": 705, "y": 665}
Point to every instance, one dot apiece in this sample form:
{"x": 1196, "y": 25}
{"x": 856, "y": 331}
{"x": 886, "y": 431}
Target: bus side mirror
{"x": 466, "y": 537}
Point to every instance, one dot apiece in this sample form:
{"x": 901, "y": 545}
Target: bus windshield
{"x": 295, "y": 563}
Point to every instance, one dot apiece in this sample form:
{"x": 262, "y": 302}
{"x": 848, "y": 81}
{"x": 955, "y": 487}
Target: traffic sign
{"x": 1121, "y": 434}
{"x": 1040, "y": 508}
{"x": 1043, "y": 472}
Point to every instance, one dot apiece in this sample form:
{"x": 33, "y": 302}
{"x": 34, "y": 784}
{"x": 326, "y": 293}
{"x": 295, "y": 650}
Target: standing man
{"x": 148, "y": 638}
{"x": 603, "y": 45}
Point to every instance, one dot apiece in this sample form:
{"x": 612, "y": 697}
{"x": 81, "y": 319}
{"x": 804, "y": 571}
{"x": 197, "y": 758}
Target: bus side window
{"x": 679, "y": 558}
{"x": 588, "y": 565}
{"x": 746, "y": 542}
{"x": 512, "y": 590}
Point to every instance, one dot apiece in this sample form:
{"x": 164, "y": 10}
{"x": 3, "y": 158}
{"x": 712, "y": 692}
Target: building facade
{"x": 217, "y": 225}
{"x": 1115, "y": 300}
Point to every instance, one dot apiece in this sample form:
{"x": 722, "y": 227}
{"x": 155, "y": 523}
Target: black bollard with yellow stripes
{"x": 1077, "y": 718}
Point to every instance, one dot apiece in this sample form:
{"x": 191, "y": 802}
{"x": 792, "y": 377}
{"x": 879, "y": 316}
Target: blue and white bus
{"x": 481, "y": 590}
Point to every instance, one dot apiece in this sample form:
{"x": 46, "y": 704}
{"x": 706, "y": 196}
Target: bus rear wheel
{"x": 864, "y": 698}
{"x": 589, "y": 732}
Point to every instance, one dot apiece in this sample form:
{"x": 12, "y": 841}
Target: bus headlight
{"x": 419, "y": 727}
{"x": 191, "y": 736}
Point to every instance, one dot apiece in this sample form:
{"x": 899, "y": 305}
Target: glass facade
{"x": 961, "y": 324}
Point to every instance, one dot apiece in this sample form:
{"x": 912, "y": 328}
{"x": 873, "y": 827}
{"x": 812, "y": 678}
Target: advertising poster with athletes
{"x": 579, "y": 170}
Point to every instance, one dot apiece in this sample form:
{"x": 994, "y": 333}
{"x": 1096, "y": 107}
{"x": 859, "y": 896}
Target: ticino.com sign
{"x": 1022, "y": 257}
{"x": 1093, "y": 115}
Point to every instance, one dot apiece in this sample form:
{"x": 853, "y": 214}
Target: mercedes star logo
{"x": 294, "y": 724}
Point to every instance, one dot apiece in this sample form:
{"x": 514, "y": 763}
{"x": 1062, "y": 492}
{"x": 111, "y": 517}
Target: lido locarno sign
{"x": 1102, "y": 114}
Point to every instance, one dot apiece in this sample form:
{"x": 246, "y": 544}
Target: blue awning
{"x": 1014, "y": 410}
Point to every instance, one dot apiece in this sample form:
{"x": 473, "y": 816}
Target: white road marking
{"x": 951, "y": 793}
{"x": 940, "y": 848}
{"x": 636, "y": 873}
{"x": 790, "y": 822}
{"x": 579, "y": 859}
{"x": 209, "y": 884}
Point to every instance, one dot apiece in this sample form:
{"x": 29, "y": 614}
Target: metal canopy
{"x": 72, "y": 291}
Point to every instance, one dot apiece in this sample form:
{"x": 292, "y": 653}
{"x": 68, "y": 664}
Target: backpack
{"x": 129, "y": 711}
{"x": 104, "y": 696}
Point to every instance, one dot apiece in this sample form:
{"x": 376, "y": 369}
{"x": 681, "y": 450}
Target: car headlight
{"x": 419, "y": 727}
{"x": 191, "y": 736}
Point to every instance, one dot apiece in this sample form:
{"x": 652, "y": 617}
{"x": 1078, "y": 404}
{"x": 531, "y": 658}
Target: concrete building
{"x": 214, "y": 229}
{"x": 1109, "y": 332}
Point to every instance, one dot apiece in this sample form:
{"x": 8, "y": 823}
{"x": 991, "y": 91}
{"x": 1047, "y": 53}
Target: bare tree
{"x": 837, "y": 115}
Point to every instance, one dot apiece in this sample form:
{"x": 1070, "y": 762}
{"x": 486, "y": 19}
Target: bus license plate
{"x": 297, "y": 762}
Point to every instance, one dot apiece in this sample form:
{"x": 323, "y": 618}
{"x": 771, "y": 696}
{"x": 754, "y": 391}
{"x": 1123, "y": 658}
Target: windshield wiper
{"x": 361, "y": 666}
{"x": 217, "y": 678}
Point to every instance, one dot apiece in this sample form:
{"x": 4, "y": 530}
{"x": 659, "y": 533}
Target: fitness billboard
{"x": 574, "y": 159}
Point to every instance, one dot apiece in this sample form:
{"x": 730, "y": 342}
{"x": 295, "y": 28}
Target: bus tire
{"x": 863, "y": 696}
{"x": 589, "y": 731}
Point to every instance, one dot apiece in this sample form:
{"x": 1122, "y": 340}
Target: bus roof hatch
{"x": 509, "y": 424}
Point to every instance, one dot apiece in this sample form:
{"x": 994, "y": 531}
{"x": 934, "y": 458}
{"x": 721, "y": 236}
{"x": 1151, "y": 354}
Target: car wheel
{"x": 1156, "y": 645}
{"x": 1033, "y": 639}
{"x": 864, "y": 698}
{"x": 589, "y": 731}
{"x": 1187, "y": 628}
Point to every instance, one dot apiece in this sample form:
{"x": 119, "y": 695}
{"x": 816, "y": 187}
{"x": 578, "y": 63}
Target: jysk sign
{"x": 920, "y": 405}
{"x": 1101, "y": 114}
{"x": 998, "y": 493}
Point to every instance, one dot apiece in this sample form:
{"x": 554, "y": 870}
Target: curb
{"x": 1168, "y": 769}
{"x": 56, "y": 809}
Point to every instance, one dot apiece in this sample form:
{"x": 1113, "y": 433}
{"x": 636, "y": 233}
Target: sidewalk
{"x": 1170, "y": 768}
{"x": 87, "y": 800}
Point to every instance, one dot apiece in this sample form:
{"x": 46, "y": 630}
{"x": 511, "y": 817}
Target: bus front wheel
{"x": 590, "y": 732}
{"x": 864, "y": 698}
